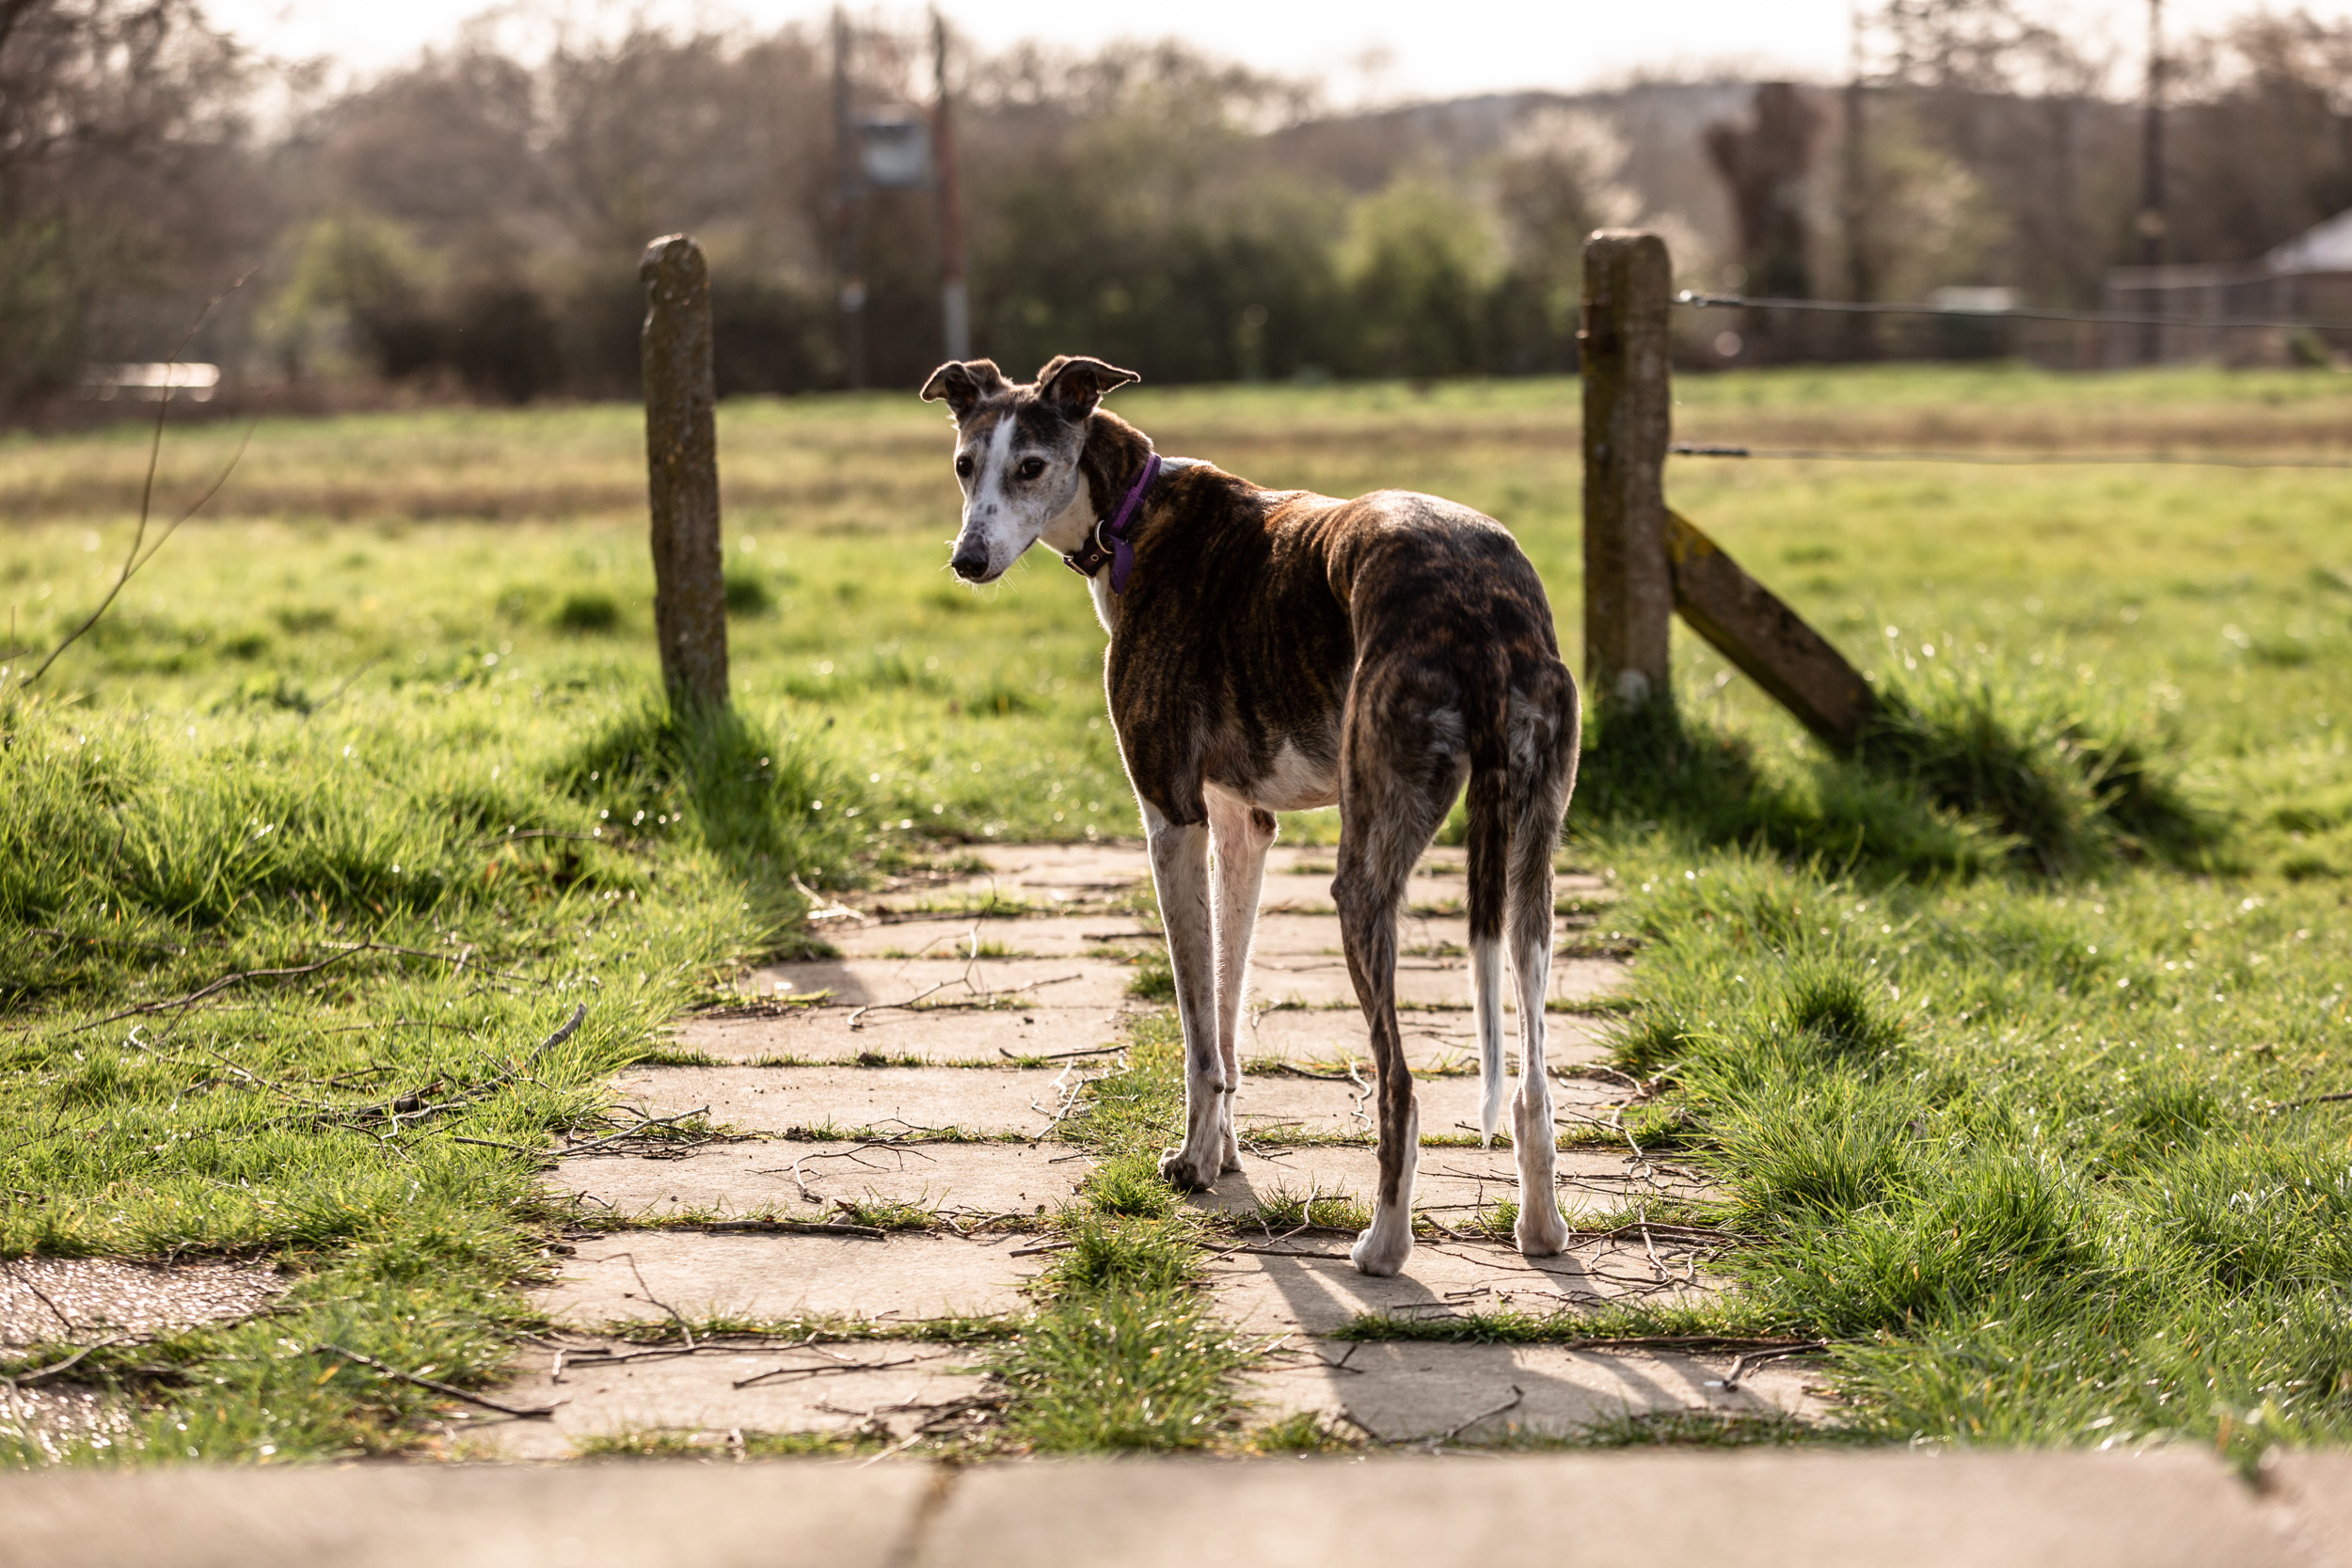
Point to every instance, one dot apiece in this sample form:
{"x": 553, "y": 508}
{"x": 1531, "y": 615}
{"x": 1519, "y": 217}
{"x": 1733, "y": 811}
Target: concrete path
{"x": 914, "y": 1088}
{"x": 1758, "y": 1509}
{"x": 74, "y": 1302}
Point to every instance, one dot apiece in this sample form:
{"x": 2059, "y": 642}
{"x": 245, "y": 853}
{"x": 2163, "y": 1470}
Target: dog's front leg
{"x": 1180, "y": 872}
{"x": 1240, "y": 834}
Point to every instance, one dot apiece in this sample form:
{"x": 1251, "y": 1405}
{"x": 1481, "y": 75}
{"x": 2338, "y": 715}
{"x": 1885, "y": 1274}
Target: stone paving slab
{"x": 1273, "y": 1102}
{"x": 45, "y": 1300}
{"x": 792, "y": 1387}
{"x": 1044, "y": 937}
{"x": 1754, "y": 1508}
{"x": 946, "y": 983}
{"x": 1275, "y": 934}
{"x": 2311, "y": 1494}
{"x": 778, "y": 1099}
{"x": 1401, "y": 1392}
{"x": 632, "y": 1275}
{"x": 803, "y": 1181}
{"x": 939, "y": 1034}
{"x": 1107, "y": 874}
{"x": 773, "y": 1515}
{"x": 1459, "y": 1181}
{"x": 1308, "y": 1286}
{"x": 1310, "y": 892}
{"x": 1325, "y": 982}
{"x": 1432, "y": 1037}
{"x": 1102, "y": 876}
{"x": 1760, "y": 1509}
{"x": 54, "y": 1416}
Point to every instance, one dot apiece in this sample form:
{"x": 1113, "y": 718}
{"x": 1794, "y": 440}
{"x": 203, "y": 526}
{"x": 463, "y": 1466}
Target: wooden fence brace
{"x": 690, "y": 609}
{"x": 1624, "y": 348}
{"x": 1767, "y": 640}
{"x": 1642, "y": 563}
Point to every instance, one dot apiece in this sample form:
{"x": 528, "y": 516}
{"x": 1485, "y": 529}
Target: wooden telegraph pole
{"x": 690, "y": 609}
{"x": 955, "y": 303}
{"x": 2150, "y": 222}
{"x": 1629, "y": 596}
{"x": 849, "y": 210}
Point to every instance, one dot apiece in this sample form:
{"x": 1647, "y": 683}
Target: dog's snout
{"x": 970, "y": 562}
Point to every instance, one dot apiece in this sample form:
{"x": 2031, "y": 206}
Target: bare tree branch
{"x": 133, "y": 560}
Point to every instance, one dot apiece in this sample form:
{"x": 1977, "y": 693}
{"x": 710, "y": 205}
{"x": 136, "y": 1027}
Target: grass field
{"x": 2038, "y": 1138}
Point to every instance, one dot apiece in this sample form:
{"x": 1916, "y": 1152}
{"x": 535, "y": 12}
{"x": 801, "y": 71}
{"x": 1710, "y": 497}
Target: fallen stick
{"x": 776, "y": 1372}
{"x": 798, "y": 1227}
{"x": 1749, "y": 1360}
{"x": 19, "y": 1379}
{"x": 1518, "y": 1397}
{"x": 1059, "y": 1056}
{"x": 450, "y": 1390}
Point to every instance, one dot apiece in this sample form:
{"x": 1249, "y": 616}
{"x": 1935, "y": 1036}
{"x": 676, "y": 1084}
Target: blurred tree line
{"x": 471, "y": 221}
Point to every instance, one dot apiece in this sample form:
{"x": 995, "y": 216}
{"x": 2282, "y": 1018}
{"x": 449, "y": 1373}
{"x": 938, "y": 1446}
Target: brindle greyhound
{"x": 1272, "y": 650}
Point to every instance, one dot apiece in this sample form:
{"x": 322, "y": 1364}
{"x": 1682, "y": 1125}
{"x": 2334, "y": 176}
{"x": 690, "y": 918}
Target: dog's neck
{"x": 1108, "y": 464}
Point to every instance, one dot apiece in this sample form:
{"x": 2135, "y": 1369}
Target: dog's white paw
{"x": 1180, "y": 1170}
{"x": 1380, "y": 1251}
{"x": 1541, "y": 1231}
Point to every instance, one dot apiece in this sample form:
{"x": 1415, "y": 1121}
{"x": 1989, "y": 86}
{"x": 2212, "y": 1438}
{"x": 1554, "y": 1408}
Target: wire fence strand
{"x": 2023, "y": 312}
{"x": 2005, "y": 459}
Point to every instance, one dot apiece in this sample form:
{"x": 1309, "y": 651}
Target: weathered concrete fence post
{"x": 1629, "y": 595}
{"x": 690, "y": 610}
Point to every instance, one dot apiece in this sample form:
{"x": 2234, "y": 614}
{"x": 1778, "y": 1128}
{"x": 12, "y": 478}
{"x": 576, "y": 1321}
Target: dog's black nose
{"x": 970, "y": 563}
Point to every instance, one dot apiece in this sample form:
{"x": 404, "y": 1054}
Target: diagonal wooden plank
{"x": 1769, "y": 642}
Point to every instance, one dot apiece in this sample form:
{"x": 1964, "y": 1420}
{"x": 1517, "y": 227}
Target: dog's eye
{"x": 1032, "y": 466}
{"x": 963, "y": 468}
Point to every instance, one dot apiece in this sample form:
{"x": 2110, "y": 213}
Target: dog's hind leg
{"x": 1489, "y": 841}
{"x": 1180, "y": 874}
{"x": 1240, "y": 835}
{"x": 1385, "y": 820}
{"x": 1543, "y": 745}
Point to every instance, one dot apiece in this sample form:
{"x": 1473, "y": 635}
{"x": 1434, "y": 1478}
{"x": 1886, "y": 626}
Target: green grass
{"x": 1125, "y": 1351}
{"x": 2038, "y": 1193}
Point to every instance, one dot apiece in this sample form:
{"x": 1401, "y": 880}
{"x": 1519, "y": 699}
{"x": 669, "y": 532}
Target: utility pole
{"x": 2150, "y": 222}
{"x": 955, "y": 303}
{"x": 849, "y": 210}
{"x": 1861, "y": 280}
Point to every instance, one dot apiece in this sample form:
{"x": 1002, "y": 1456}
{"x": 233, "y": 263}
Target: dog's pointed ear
{"x": 1072, "y": 385}
{"x": 966, "y": 384}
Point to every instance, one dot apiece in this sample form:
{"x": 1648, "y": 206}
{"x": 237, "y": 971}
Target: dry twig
{"x": 133, "y": 560}
{"x": 436, "y": 1385}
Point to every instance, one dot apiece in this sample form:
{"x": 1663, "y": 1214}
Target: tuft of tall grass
{"x": 2068, "y": 783}
{"x": 1959, "y": 772}
{"x": 773, "y": 807}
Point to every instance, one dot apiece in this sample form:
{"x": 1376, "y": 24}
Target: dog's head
{"x": 1017, "y": 452}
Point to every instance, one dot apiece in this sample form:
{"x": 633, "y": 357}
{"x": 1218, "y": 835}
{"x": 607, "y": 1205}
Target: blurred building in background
{"x": 2201, "y": 312}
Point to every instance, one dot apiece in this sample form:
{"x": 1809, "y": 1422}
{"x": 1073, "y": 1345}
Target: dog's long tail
{"x": 1520, "y": 784}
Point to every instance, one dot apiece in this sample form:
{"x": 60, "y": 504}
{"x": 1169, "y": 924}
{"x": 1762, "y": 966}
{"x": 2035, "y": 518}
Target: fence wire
{"x": 2007, "y": 459}
{"x": 2023, "y": 312}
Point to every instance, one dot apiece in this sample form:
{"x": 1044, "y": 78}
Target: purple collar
{"x": 1087, "y": 559}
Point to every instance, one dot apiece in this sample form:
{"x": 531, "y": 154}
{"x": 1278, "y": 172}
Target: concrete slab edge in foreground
{"x": 1824, "y": 1510}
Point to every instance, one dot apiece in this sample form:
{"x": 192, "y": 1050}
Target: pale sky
{"x": 1363, "y": 50}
